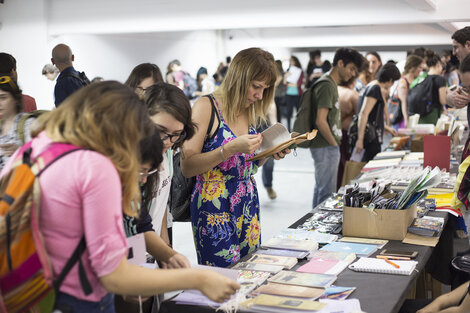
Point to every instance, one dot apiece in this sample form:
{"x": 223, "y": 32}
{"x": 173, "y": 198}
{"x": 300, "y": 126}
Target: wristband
{"x": 222, "y": 153}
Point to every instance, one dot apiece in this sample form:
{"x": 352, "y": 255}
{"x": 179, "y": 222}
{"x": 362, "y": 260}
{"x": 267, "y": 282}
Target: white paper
{"x": 341, "y": 306}
{"x": 357, "y": 157}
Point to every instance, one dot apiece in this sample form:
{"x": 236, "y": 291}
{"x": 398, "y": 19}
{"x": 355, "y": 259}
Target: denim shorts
{"x": 66, "y": 303}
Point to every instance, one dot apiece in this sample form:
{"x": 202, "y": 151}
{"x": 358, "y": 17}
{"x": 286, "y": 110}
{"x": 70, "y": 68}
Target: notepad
{"x": 374, "y": 265}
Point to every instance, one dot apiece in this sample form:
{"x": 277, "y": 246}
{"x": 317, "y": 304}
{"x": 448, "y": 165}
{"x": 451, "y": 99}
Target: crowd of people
{"x": 117, "y": 186}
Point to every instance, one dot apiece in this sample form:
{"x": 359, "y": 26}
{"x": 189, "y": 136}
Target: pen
{"x": 390, "y": 262}
{"x": 391, "y": 257}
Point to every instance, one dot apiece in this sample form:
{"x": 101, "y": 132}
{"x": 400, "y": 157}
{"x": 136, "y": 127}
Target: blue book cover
{"x": 361, "y": 249}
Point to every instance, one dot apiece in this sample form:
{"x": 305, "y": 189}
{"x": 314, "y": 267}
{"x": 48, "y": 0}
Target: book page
{"x": 273, "y": 136}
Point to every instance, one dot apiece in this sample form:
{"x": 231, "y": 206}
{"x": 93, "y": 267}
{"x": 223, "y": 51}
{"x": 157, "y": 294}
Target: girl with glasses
{"x": 170, "y": 111}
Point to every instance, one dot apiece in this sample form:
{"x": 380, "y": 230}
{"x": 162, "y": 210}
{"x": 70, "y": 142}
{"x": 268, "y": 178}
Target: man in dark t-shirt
{"x": 69, "y": 79}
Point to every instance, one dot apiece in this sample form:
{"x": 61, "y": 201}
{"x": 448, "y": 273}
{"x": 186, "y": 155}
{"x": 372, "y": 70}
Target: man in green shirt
{"x": 327, "y": 119}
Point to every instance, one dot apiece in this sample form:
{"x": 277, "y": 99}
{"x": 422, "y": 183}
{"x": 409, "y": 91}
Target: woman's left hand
{"x": 176, "y": 261}
{"x": 281, "y": 154}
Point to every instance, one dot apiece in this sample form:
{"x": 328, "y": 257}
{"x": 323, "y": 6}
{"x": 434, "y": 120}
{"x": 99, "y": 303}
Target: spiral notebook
{"x": 374, "y": 265}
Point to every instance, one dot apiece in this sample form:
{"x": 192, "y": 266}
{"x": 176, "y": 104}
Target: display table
{"x": 378, "y": 292}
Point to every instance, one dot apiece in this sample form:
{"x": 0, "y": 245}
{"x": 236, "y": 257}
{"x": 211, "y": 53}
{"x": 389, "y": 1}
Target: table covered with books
{"x": 375, "y": 292}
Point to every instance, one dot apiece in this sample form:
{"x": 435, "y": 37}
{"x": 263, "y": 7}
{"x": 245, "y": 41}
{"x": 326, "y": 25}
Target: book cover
{"x": 337, "y": 292}
{"x": 291, "y": 253}
{"x": 258, "y": 267}
{"x": 285, "y": 261}
{"x": 290, "y": 291}
{"x": 327, "y": 262}
{"x": 427, "y": 226}
{"x": 319, "y": 266}
{"x": 350, "y": 247}
{"x": 301, "y": 234}
{"x": 380, "y": 243}
{"x": 303, "y": 279}
{"x": 264, "y": 301}
{"x": 290, "y": 244}
{"x": 252, "y": 277}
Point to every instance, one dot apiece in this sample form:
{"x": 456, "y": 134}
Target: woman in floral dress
{"x": 224, "y": 203}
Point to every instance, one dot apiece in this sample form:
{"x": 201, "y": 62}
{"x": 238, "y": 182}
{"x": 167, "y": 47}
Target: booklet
{"x": 292, "y": 253}
{"x": 258, "y": 267}
{"x": 290, "y": 291}
{"x": 350, "y": 247}
{"x": 262, "y": 303}
{"x": 285, "y": 261}
{"x": 290, "y": 244}
{"x": 303, "y": 279}
{"x": 428, "y": 226}
{"x": 277, "y": 138}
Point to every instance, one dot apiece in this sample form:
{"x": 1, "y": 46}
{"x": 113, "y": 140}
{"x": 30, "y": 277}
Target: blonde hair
{"x": 412, "y": 62}
{"x": 247, "y": 66}
{"x": 108, "y": 118}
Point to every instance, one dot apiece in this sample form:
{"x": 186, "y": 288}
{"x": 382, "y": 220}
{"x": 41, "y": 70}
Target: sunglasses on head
{"x": 8, "y": 80}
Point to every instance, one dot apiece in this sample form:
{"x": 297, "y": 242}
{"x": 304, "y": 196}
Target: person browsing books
{"x": 224, "y": 203}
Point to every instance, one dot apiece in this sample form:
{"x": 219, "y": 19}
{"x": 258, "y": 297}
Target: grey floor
{"x": 293, "y": 182}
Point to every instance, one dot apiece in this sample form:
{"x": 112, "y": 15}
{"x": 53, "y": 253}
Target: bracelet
{"x": 222, "y": 153}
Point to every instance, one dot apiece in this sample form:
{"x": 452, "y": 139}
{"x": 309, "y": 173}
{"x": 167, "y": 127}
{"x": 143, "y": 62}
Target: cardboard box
{"x": 386, "y": 224}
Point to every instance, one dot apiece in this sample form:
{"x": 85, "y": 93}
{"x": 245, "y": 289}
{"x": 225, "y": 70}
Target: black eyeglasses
{"x": 174, "y": 138}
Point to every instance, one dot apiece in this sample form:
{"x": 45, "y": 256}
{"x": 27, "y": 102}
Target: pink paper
{"x": 318, "y": 266}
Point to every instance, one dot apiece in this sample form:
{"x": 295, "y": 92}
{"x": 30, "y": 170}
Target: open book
{"x": 277, "y": 138}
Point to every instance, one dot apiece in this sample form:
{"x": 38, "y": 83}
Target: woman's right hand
{"x": 359, "y": 146}
{"x": 246, "y": 144}
{"x": 217, "y": 287}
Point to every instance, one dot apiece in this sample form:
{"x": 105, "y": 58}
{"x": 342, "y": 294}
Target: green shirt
{"x": 325, "y": 95}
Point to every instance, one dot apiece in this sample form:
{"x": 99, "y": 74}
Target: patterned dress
{"x": 225, "y": 205}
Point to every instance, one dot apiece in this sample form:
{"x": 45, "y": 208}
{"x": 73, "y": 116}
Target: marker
{"x": 390, "y": 262}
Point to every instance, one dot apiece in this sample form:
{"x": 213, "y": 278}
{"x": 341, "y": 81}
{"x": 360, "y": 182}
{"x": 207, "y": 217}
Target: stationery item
{"x": 279, "y": 303}
{"x": 337, "y": 293}
{"x": 290, "y": 291}
{"x": 327, "y": 262}
{"x": 303, "y": 279}
{"x": 374, "y": 265}
{"x": 437, "y": 152}
{"x": 258, "y": 267}
{"x": 301, "y": 234}
{"x": 277, "y": 138}
{"x": 390, "y": 262}
{"x": 285, "y": 261}
{"x": 290, "y": 244}
{"x": 428, "y": 226}
{"x": 291, "y": 253}
{"x": 359, "y": 249}
{"x": 252, "y": 277}
{"x": 385, "y": 257}
{"x": 137, "y": 251}
{"x": 341, "y": 306}
{"x": 380, "y": 243}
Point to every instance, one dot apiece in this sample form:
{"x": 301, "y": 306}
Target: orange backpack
{"x": 25, "y": 269}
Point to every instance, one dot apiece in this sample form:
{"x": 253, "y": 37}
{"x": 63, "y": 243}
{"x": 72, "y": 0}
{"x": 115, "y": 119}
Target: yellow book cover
{"x": 288, "y": 303}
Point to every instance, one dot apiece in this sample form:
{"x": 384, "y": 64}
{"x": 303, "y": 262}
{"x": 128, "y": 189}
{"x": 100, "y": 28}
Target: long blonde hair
{"x": 248, "y": 65}
{"x": 110, "y": 119}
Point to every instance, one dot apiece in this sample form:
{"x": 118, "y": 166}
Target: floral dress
{"x": 225, "y": 205}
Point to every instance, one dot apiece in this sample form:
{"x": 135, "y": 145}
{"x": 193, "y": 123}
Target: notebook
{"x": 381, "y": 266}
{"x": 349, "y": 247}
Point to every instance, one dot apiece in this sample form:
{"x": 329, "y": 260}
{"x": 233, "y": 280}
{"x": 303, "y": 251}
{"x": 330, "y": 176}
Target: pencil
{"x": 390, "y": 262}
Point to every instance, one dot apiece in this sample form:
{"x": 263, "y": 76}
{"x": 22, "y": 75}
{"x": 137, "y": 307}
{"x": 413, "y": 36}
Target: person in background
{"x": 314, "y": 68}
{"x": 438, "y": 89}
{"x": 50, "y": 71}
{"x": 364, "y": 76}
{"x": 8, "y": 68}
{"x": 175, "y": 74}
{"x": 348, "y": 98}
{"x": 97, "y": 195}
{"x": 12, "y": 134}
{"x": 325, "y": 105}
{"x": 371, "y": 109}
{"x": 224, "y": 203}
{"x": 279, "y": 91}
{"x": 413, "y": 66}
{"x": 375, "y": 62}
{"x": 142, "y": 77}
{"x": 97, "y": 79}
{"x": 69, "y": 80}
{"x": 268, "y": 166}
{"x": 206, "y": 84}
{"x": 293, "y": 79}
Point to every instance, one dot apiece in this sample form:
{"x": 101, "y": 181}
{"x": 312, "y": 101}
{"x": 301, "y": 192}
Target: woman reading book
{"x": 224, "y": 202}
